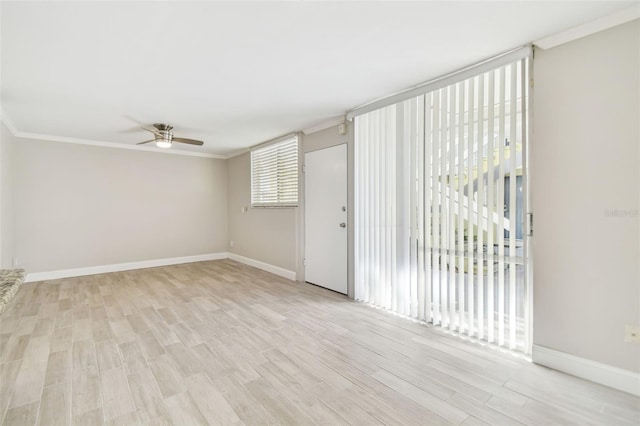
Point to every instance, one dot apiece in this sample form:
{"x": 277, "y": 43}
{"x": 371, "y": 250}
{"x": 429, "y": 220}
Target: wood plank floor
{"x": 222, "y": 343}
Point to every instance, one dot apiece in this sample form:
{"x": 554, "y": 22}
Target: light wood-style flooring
{"x": 223, "y": 343}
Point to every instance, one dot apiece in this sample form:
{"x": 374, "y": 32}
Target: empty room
{"x": 320, "y": 213}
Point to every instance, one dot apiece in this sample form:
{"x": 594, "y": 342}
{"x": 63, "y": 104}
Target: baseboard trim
{"x": 613, "y": 377}
{"x": 291, "y": 275}
{"x": 118, "y": 267}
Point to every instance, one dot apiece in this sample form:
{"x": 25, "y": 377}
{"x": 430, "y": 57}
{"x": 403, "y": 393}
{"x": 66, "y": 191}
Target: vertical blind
{"x": 439, "y": 207}
{"x": 274, "y": 174}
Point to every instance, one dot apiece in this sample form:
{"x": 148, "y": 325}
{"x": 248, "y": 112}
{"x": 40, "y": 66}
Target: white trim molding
{"x": 51, "y": 138}
{"x": 600, "y": 24}
{"x": 236, "y": 153}
{"x": 617, "y": 378}
{"x": 154, "y": 263}
{"x": 118, "y": 267}
{"x": 444, "y": 80}
{"x": 327, "y": 124}
{"x": 286, "y": 273}
{"x": 8, "y": 123}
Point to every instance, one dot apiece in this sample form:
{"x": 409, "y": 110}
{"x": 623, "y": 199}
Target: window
{"x": 274, "y": 174}
{"x": 439, "y": 202}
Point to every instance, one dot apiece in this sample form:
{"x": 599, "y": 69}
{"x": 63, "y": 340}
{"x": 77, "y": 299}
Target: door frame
{"x": 306, "y": 146}
{"x": 323, "y": 158}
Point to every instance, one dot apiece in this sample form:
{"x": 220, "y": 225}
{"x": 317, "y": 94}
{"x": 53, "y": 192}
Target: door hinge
{"x": 304, "y": 262}
{"x": 304, "y": 168}
{"x": 530, "y": 224}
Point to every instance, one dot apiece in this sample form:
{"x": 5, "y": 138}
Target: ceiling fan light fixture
{"x": 163, "y": 136}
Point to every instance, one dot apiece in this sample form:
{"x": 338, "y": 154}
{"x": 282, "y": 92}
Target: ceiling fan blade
{"x": 142, "y": 143}
{"x": 134, "y": 129}
{"x": 189, "y": 141}
{"x": 149, "y": 129}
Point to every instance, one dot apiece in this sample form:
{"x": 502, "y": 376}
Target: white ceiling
{"x": 236, "y": 74}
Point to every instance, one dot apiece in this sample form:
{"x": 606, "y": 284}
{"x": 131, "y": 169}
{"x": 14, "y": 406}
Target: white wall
{"x": 270, "y": 235}
{"x": 264, "y": 234}
{"x": 323, "y": 139}
{"x": 80, "y": 206}
{"x": 7, "y": 141}
{"x": 585, "y": 163}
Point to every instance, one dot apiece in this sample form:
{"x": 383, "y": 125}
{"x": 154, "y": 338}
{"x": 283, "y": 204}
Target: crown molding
{"x": 236, "y": 153}
{"x": 8, "y": 123}
{"x": 51, "y": 138}
{"x": 618, "y": 18}
{"x": 263, "y": 144}
{"x": 334, "y": 121}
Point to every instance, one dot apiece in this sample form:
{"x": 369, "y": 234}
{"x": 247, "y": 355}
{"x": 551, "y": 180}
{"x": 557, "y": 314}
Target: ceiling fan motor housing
{"x": 163, "y": 136}
{"x": 163, "y": 127}
{"x": 165, "y": 133}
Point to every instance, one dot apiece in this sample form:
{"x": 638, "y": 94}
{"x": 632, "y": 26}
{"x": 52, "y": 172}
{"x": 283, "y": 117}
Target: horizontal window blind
{"x": 274, "y": 174}
{"x": 439, "y": 207}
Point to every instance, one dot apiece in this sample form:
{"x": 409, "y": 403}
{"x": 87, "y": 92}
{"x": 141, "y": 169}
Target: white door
{"x": 326, "y": 218}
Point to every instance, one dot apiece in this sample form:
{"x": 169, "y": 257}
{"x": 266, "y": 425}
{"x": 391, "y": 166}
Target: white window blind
{"x": 440, "y": 197}
{"x": 274, "y": 174}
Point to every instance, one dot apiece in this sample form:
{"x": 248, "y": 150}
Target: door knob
{"x": 343, "y": 225}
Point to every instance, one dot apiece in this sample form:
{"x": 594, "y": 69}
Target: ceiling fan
{"x": 164, "y": 136}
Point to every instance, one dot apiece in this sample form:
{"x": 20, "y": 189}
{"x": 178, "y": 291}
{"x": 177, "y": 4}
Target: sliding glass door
{"x": 440, "y": 199}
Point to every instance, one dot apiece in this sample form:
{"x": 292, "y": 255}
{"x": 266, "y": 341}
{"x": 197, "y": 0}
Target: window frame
{"x": 277, "y": 192}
